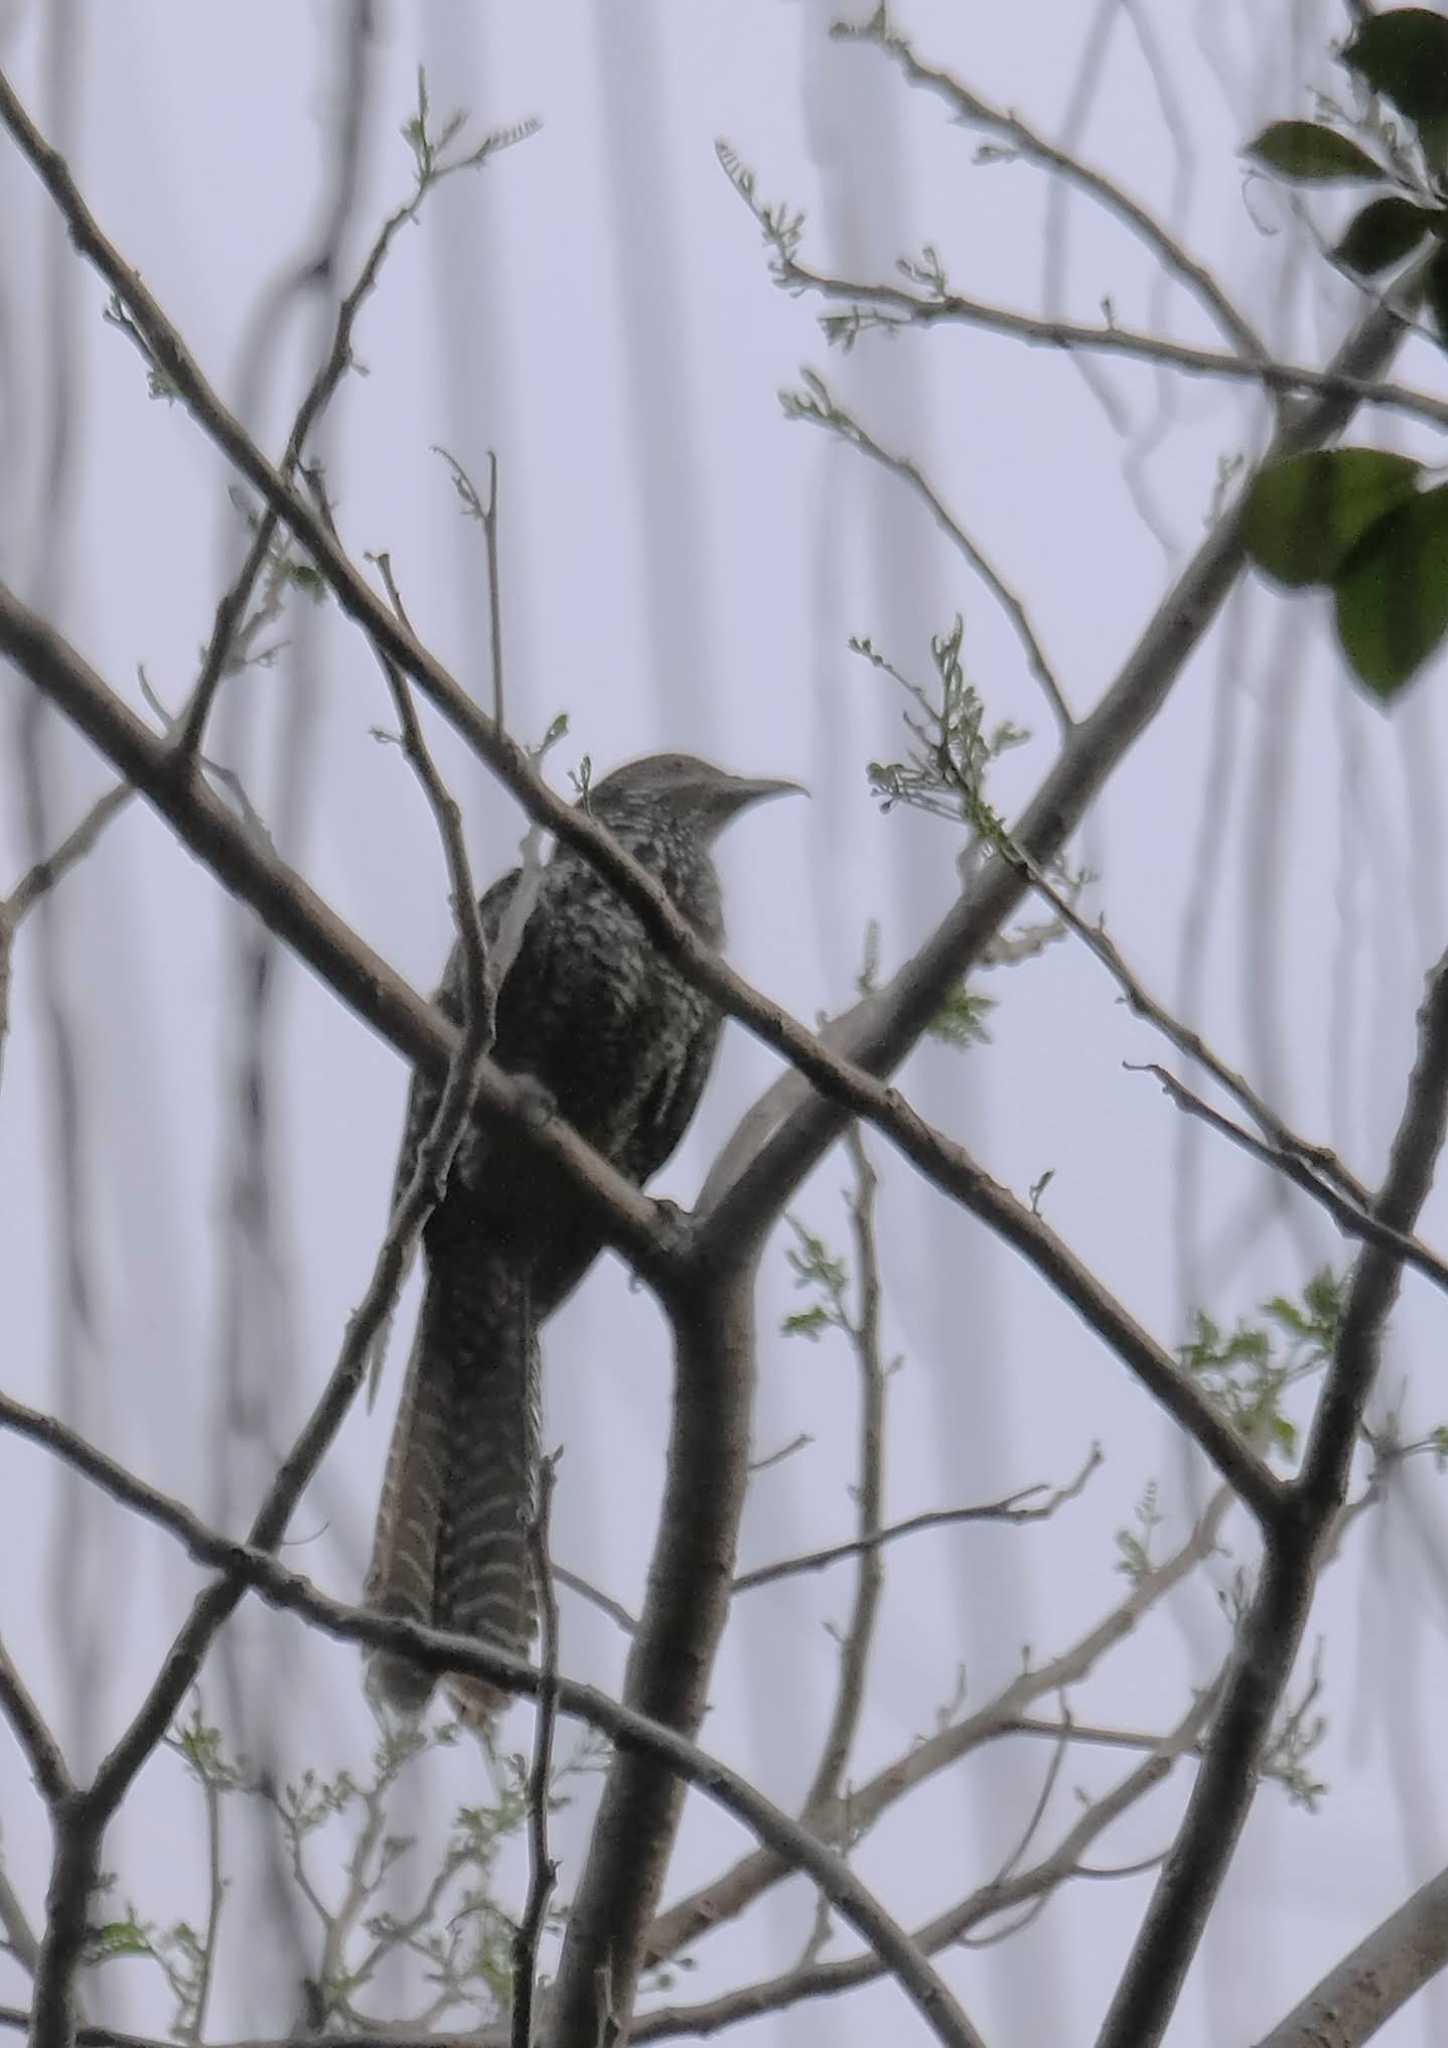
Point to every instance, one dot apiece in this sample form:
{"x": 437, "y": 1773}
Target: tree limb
{"x": 1273, "y": 1628}
{"x": 249, "y": 1565}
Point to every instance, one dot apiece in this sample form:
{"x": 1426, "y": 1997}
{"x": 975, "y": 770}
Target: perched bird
{"x": 622, "y": 1045}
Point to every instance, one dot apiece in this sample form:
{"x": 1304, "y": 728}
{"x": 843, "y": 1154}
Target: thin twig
{"x": 891, "y": 306}
{"x": 31, "y": 1730}
{"x": 1010, "y": 1509}
{"x": 1022, "y": 140}
{"x": 487, "y": 518}
{"x": 495, "y": 597}
{"x": 958, "y": 1922}
{"x": 1043, "y": 1798}
{"x": 1081, "y": 768}
{"x": 1351, "y": 1219}
{"x": 617, "y": 1613}
{"x": 329, "y": 375}
{"x": 1296, "y": 1547}
{"x": 258, "y": 1568}
{"x": 74, "y": 847}
{"x": 78, "y": 1843}
{"x": 20, "y": 1939}
{"x": 543, "y": 1871}
{"x": 43, "y": 876}
{"x": 251, "y": 870}
{"x": 714, "y": 1904}
{"x": 864, "y": 1335}
{"x": 820, "y": 408}
{"x": 215, "y": 1899}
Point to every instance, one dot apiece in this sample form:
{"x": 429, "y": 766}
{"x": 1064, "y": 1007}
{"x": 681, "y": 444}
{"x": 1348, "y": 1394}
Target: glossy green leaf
{"x": 1433, "y": 134}
{"x": 1404, "y": 56}
{"x": 1382, "y": 234}
{"x": 1435, "y": 291}
{"x": 1304, "y": 516}
{"x": 1392, "y": 594}
{"x": 1302, "y": 149}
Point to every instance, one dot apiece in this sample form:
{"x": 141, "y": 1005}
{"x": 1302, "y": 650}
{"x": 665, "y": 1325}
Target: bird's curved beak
{"x": 743, "y": 790}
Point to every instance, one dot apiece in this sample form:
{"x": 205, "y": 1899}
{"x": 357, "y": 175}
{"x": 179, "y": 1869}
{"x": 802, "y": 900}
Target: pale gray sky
{"x": 683, "y": 567}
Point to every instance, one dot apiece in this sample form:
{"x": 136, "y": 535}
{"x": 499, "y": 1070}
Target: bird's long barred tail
{"x": 461, "y": 1482}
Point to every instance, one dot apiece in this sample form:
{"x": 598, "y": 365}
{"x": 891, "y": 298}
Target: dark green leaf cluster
{"x": 1355, "y": 521}
{"x": 1400, "y": 58}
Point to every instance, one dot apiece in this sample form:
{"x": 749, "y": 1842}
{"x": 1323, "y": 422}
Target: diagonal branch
{"x": 1031, "y": 1887}
{"x": 884, "y": 1026}
{"x": 1350, "y": 1219}
{"x": 863, "y": 1330}
{"x": 38, "y": 1745}
{"x": 891, "y": 307}
{"x": 290, "y": 908}
{"x": 258, "y": 1568}
{"x": 1022, "y": 140}
{"x": 82, "y": 1817}
{"x": 285, "y": 903}
{"x": 817, "y": 406}
{"x": 723, "y": 1899}
{"x": 1362, "y": 1992}
{"x": 320, "y": 392}
{"x": 670, "y": 1661}
{"x": 1272, "y": 1630}
{"x": 1013, "y": 1508}
{"x": 900, "y": 1013}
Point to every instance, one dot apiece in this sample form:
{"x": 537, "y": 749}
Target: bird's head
{"x": 692, "y": 791}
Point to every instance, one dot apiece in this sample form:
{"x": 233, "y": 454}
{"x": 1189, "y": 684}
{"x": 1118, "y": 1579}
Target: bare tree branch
{"x": 251, "y": 1565}
{"x": 1085, "y": 760}
{"x": 1362, "y": 1992}
{"x": 884, "y": 1026}
{"x": 1033, "y": 1885}
{"x": 1273, "y": 1628}
{"x": 1021, "y": 139}
{"x": 81, "y": 1822}
{"x": 725, "y": 1897}
{"x": 37, "y": 1743}
{"x": 672, "y": 1655}
{"x": 891, "y": 307}
{"x": 43, "y": 876}
{"x": 19, "y": 1936}
{"x": 1350, "y": 1219}
{"x": 1012, "y": 1508}
{"x": 329, "y": 375}
{"x": 819, "y": 407}
{"x": 543, "y": 1871}
{"x": 864, "y": 1335}
{"x": 290, "y": 908}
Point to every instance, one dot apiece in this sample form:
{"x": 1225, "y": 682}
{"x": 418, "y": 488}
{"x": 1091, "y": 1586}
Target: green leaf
{"x": 961, "y": 1019}
{"x": 1305, "y": 515}
{"x": 1392, "y": 594}
{"x": 1404, "y": 57}
{"x": 1317, "y": 155}
{"x": 1433, "y": 135}
{"x": 1435, "y": 289}
{"x": 1382, "y": 234}
{"x": 117, "y": 1938}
